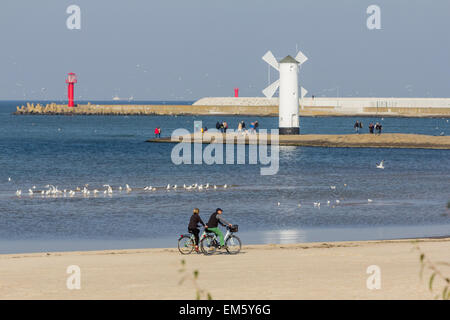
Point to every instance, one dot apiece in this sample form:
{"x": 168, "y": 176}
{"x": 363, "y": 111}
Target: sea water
{"x": 407, "y": 199}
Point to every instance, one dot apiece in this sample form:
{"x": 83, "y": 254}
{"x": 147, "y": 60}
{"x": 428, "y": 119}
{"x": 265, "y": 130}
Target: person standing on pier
{"x": 225, "y": 126}
{"x": 239, "y": 129}
{"x": 157, "y": 132}
{"x": 379, "y": 128}
{"x": 356, "y": 126}
{"x": 371, "y": 126}
{"x": 252, "y": 127}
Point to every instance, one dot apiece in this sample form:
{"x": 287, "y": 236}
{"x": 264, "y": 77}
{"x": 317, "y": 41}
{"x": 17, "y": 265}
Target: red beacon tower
{"x": 236, "y": 92}
{"x": 71, "y": 80}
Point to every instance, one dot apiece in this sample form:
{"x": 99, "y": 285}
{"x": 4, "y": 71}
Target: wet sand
{"x": 334, "y": 270}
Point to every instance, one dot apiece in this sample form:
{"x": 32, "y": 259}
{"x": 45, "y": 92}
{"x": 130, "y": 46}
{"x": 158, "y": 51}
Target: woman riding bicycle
{"x": 193, "y": 225}
{"x": 213, "y": 224}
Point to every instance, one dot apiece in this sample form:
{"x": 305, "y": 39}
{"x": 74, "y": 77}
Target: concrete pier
{"x": 385, "y": 140}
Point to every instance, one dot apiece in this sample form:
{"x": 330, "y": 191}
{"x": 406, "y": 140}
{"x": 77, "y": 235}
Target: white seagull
{"x": 108, "y": 189}
{"x": 380, "y": 165}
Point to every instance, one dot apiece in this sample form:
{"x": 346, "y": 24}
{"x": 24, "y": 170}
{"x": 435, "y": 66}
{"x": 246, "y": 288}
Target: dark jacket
{"x": 194, "y": 221}
{"x": 215, "y": 219}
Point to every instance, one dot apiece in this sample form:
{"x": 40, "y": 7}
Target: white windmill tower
{"x": 288, "y": 84}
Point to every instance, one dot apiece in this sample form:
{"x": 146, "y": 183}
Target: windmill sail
{"x": 270, "y": 59}
{"x": 301, "y": 58}
{"x": 303, "y": 92}
{"x": 270, "y": 90}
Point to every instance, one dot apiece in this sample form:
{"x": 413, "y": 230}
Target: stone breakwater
{"x": 132, "y": 109}
{"x": 96, "y": 109}
{"x": 385, "y": 140}
{"x": 361, "y": 107}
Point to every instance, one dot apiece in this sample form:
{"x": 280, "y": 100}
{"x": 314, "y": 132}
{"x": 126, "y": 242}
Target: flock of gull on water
{"x": 53, "y": 191}
{"x": 108, "y": 190}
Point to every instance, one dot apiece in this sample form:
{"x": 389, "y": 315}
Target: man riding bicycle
{"x": 213, "y": 224}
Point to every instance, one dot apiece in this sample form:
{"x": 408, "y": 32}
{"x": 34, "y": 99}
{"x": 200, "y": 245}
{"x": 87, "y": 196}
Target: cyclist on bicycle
{"x": 193, "y": 225}
{"x": 213, "y": 224}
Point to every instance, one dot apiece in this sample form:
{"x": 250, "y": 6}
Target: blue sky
{"x": 187, "y": 49}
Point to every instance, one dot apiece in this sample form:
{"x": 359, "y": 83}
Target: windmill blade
{"x": 301, "y": 58}
{"x": 270, "y": 59}
{"x": 270, "y": 90}
{"x": 303, "y": 92}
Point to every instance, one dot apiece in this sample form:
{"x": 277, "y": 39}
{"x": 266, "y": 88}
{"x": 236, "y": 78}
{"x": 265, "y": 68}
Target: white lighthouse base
{"x": 289, "y": 130}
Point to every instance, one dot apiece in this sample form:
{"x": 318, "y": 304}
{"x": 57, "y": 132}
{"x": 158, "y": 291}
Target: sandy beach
{"x": 334, "y": 270}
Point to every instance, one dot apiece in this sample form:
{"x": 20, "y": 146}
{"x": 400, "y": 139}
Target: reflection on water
{"x": 330, "y": 234}
{"x": 284, "y": 236}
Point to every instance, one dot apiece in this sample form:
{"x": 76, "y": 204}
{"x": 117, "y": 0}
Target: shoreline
{"x": 327, "y": 270}
{"x": 385, "y": 140}
{"x": 126, "y": 250}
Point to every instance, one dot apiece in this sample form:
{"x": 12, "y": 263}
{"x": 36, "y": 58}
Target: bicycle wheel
{"x": 233, "y": 244}
{"x": 185, "y": 244}
{"x": 207, "y": 245}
